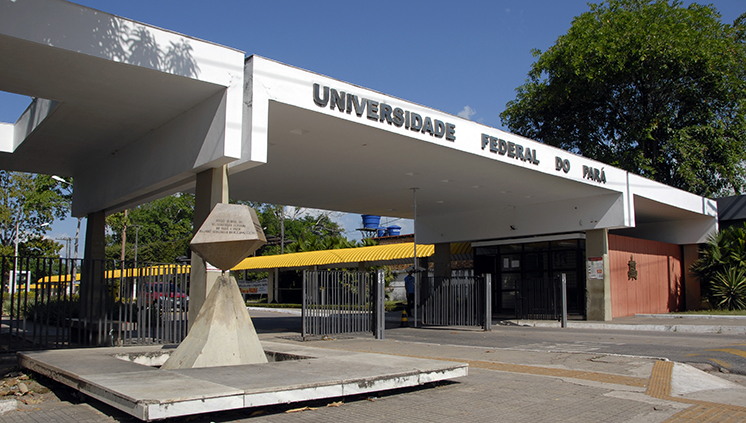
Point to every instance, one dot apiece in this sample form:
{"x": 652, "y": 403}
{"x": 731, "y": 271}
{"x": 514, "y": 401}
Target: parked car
{"x": 165, "y": 296}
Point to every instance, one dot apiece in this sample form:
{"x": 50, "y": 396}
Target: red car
{"x": 168, "y": 296}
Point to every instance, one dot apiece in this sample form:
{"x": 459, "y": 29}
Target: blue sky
{"x": 461, "y": 57}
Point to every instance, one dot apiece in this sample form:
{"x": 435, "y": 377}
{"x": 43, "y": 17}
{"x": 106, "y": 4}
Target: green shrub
{"x": 25, "y": 300}
{"x": 721, "y": 266}
{"x": 728, "y": 288}
{"x": 54, "y": 311}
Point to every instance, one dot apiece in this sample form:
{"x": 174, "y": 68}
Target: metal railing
{"x": 52, "y": 303}
{"x": 157, "y": 300}
{"x": 538, "y": 298}
{"x": 457, "y": 301}
{"x": 341, "y": 302}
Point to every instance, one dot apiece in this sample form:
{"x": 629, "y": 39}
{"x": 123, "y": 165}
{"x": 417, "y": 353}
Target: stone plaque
{"x": 230, "y": 233}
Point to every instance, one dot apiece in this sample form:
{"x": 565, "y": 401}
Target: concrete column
{"x": 272, "y": 278}
{"x": 442, "y": 260}
{"x": 690, "y": 253}
{"x": 598, "y": 291}
{"x": 92, "y": 287}
{"x": 212, "y": 188}
{"x": 275, "y": 286}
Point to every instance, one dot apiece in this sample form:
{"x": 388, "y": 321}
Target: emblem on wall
{"x": 632, "y": 272}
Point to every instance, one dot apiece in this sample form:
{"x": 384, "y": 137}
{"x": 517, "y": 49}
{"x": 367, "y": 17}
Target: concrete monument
{"x": 222, "y": 334}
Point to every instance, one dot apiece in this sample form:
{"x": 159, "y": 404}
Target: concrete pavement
{"x": 692, "y": 323}
{"x": 502, "y": 385}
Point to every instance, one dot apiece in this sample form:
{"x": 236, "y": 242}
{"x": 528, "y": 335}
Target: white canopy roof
{"x": 135, "y": 112}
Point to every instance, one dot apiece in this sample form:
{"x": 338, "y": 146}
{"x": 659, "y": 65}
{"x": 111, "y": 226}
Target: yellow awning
{"x": 345, "y": 257}
{"x": 157, "y": 270}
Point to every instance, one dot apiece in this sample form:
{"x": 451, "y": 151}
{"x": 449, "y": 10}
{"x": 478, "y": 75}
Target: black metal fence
{"x": 457, "y": 301}
{"x": 538, "y": 298}
{"x": 59, "y": 303}
{"x": 341, "y": 302}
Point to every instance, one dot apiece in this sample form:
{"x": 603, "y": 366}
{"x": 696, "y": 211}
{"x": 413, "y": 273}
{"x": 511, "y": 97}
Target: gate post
{"x": 563, "y": 287}
{"x": 304, "y": 291}
{"x": 380, "y": 302}
{"x": 488, "y": 302}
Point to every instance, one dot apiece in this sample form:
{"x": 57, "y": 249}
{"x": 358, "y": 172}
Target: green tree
{"x": 654, "y": 88}
{"x": 27, "y": 202}
{"x": 162, "y": 229}
{"x": 303, "y": 231}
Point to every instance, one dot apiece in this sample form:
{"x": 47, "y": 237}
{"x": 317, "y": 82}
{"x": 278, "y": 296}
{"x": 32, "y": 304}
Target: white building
{"x": 133, "y": 112}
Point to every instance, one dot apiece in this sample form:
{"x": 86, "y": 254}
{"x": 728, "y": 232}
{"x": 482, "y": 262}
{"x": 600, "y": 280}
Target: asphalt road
{"x": 725, "y": 352}
{"x": 721, "y": 351}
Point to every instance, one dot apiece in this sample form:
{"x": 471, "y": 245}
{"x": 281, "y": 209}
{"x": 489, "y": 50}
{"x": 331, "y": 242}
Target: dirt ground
{"x": 25, "y": 386}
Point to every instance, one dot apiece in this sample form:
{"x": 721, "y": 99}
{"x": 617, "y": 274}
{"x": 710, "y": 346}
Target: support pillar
{"x": 211, "y": 189}
{"x": 691, "y": 283}
{"x": 92, "y": 285}
{"x": 598, "y": 291}
{"x": 442, "y": 261}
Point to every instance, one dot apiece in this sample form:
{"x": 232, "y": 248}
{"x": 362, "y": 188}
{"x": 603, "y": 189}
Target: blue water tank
{"x": 393, "y": 230}
{"x": 382, "y": 231}
{"x": 371, "y": 221}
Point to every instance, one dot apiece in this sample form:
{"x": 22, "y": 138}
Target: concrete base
{"x": 151, "y": 394}
{"x": 222, "y": 334}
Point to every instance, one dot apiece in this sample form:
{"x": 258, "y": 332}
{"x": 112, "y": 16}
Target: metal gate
{"x": 45, "y": 305}
{"x": 458, "y": 301}
{"x": 341, "y": 302}
{"x": 538, "y": 298}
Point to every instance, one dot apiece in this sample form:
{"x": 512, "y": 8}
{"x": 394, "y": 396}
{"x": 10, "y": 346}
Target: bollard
{"x": 564, "y": 300}
{"x": 404, "y": 322}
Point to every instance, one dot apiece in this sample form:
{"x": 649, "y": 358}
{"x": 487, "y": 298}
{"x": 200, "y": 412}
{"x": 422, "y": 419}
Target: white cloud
{"x": 467, "y": 112}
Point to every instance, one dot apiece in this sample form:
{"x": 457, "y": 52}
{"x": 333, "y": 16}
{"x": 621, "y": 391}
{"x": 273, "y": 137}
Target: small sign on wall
{"x": 595, "y": 267}
{"x": 254, "y": 287}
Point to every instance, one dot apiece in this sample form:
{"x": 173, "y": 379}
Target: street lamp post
{"x": 416, "y": 270}
{"x": 77, "y": 231}
{"x": 15, "y": 262}
{"x": 73, "y": 267}
{"x": 15, "y": 258}
{"x": 137, "y": 235}
{"x": 67, "y": 240}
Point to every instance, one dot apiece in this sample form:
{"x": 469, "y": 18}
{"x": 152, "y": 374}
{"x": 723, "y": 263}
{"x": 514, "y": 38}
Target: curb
{"x": 731, "y": 330}
{"x": 292, "y": 311}
{"x": 691, "y": 316}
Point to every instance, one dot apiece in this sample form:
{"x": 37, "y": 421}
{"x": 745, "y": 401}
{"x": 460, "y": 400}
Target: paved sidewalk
{"x": 505, "y": 385}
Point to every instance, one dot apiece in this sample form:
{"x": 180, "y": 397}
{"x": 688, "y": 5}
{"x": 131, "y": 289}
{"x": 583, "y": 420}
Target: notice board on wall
{"x": 595, "y": 267}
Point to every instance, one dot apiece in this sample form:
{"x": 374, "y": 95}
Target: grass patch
{"x": 715, "y": 312}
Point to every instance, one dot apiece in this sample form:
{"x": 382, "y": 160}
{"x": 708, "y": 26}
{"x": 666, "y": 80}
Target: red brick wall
{"x": 658, "y": 285}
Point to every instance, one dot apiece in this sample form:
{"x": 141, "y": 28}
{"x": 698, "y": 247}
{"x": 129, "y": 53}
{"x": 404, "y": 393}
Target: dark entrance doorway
{"x": 511, "y": 262}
